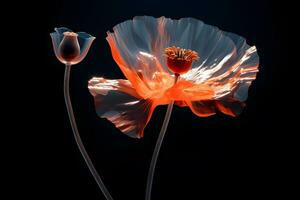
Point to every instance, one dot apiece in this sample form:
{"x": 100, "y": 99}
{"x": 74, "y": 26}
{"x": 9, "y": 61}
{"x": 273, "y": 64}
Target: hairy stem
{"x": 77, "y": 136}
{"x": 157, "y": 147}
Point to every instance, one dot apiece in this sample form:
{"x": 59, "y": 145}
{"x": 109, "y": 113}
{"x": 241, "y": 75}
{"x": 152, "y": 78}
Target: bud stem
{"x": 77, "y": 136}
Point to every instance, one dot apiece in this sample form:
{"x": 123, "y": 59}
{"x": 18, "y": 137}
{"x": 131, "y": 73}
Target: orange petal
{"x": 202, "y": 108}
{"x": 230, "y": 108}
{"x": 118, "y": 101}
{"x": 208, "y": 108}
{"x": 202, "y": 99}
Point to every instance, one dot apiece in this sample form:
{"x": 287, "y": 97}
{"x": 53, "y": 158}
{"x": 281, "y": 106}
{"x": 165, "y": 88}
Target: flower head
{"x": 69, "y": 47}
{"x": 147, "y": 48}
{"x": 180, "y": 60}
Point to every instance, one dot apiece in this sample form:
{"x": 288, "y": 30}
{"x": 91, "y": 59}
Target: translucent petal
{"x": 57, "y": 37}
{"x": 61, "y": 30}
{"x": 118, "y": 101}
{"x": 56, "y": 40}
{"x": 85, "y": 41}
{"x": 84, "y": 35}
{"x": 235, "y": 80}
{"x": 137, "y": 46}
{"x": 202, "y": 108}
{"x": 229, "y": 107}
{"x": 210, "y": 107}
{"x": 185, "y": 90}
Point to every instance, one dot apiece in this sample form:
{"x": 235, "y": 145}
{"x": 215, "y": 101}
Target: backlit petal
{"x": 118, "y": 101}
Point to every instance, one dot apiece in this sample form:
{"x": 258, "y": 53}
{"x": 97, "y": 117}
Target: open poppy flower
{"x": 144, "y": 47}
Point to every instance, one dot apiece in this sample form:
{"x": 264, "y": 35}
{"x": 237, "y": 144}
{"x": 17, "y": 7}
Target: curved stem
{"x": 157, "y": 147}
{"x": 77, "y": 136}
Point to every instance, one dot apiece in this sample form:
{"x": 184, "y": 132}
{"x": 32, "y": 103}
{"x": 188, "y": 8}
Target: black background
{"x": 218, "y": 156}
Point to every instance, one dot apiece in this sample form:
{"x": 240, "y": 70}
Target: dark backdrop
{"x": 216, "y": 156}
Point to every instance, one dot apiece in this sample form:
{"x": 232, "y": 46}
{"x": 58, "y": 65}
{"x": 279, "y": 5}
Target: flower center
{"x": 68, "y": 33}
{"x": 180, "y": 60}
{"x": 181, "y": 54}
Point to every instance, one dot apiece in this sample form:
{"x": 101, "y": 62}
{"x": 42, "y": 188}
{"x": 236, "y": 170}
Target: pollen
{"x": 180, "y": 60}
{"x": 176, "y": 53}
{"x": 68, "y": 33}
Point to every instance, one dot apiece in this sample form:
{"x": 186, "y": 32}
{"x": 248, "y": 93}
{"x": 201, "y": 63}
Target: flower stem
{"x": 77, "y": 136}
{"x": 157, "y": 147}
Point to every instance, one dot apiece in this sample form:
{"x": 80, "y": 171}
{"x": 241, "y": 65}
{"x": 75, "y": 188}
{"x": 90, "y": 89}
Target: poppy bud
{"x": 69, "y": 48}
